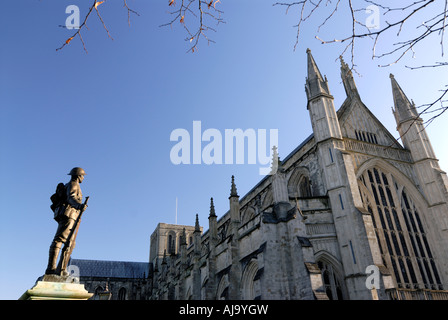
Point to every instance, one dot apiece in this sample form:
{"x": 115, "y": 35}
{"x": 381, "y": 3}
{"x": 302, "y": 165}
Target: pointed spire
{"x": 233, "y": 192}
{"x": 404, "y": 109}
{"x": 313, "y": 70}
{"x": 315, "y": 83}
{"x": 275, "y": 156}
{"x": 164, "y": 257}
{"x": 276, "y": 162}
{"x": 213, "y": 226}
{"x": 348, "y": 80}
{"x": 212, "y": 209}
{"x": 197, "y": 228}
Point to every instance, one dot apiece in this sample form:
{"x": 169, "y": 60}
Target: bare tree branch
{"x": 129, "y": 12}
{"x": 94, "y": 6}
{"x": 205, "y": 13}
{"x": 78, "y": 32}
{"x": 405, "y": 14}
{"x": 199, "y": 17}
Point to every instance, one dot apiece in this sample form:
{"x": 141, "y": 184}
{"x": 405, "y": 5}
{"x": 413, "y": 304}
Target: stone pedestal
{"x": 57, "y": 290}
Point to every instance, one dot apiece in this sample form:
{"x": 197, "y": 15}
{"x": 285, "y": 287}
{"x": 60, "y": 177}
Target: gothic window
{"x": 366, "y": 136}
{"x": 299, "y": 183}
{"x": 332, "y": 284}
{"x": 399, "y": 230}
{"x": 122, "y": 294}
{"x": 305, "y": 187}
{"x": 363, "y": 136}
{"x": 250, "y": 283}
{"x": 223, "y": 288}
{"x": 171, "y": 244}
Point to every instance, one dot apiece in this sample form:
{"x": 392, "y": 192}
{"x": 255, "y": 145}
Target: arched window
{"x": 122, "y": 294}
{"x": 304, "y": 187}
{"x": 250, "y": 283}
{"x": 299, "y": 183}
{"x": 223, "y": 289}
{"x": 332, "y": 283}
{"x": 171, "y": 244}
{"x": 398, "y": 227}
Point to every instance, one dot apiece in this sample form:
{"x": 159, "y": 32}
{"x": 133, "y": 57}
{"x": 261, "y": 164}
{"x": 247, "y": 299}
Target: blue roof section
{"x": 110, "y": 269}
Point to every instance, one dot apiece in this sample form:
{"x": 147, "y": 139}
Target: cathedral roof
{"x": 110, "y": 269}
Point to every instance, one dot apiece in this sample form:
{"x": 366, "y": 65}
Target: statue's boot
{"x": 53, "y": 258}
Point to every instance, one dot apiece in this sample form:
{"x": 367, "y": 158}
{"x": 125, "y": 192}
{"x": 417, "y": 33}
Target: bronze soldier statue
{"x": 68, "y": 208}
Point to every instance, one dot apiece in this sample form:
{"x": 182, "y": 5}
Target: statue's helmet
{"x": 77, "y": 171}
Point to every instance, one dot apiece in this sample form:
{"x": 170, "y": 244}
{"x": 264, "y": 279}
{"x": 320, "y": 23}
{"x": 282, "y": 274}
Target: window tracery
{"x": 332, "y": 283}
{"x": 400, "y": 232}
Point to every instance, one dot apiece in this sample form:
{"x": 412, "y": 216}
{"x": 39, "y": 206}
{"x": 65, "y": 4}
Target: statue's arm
{"x": 72, "y": 196}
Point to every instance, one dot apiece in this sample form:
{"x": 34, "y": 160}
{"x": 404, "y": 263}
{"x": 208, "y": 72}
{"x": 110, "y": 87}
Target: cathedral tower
{"x": 433, "y": 182}
{"x": 352, "y": 222}
{"x": 320, "y": 104}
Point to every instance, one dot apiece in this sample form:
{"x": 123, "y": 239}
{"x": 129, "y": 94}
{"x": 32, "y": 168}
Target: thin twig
{"x": 203, "y": 14}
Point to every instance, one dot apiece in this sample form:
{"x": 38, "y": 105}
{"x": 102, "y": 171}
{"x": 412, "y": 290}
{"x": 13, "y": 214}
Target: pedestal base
{"x": 58, "y": 278}
{"x": 45, "y": 290}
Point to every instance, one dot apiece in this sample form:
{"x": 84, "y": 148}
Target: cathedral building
{"x": 349, "y": 214}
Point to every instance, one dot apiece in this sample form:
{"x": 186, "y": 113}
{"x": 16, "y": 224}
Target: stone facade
{"x": 348, "y": 200}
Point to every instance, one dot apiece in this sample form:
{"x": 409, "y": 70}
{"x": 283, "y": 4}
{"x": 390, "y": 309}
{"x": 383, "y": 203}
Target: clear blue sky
{"x": 112, "y": 111}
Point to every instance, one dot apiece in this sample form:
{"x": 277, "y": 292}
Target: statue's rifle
{"x": 78, "y": 220}
{"x": 84, "y": 207}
